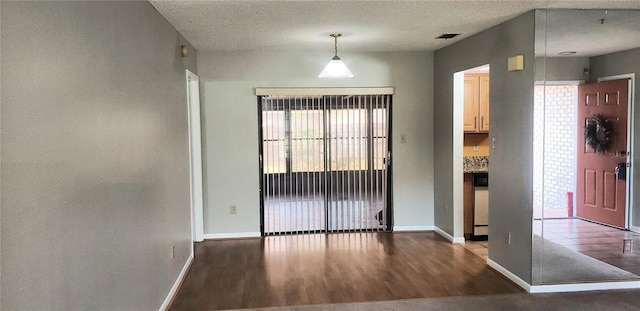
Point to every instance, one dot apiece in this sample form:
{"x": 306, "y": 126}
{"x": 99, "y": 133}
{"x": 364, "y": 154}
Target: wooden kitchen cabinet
{"x": 476, "y": 103}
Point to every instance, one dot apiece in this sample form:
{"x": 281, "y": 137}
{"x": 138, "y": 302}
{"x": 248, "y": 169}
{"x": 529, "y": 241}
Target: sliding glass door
{"x": 325, "y": 163}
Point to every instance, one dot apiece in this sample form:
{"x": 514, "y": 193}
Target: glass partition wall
{"x": 585, "y": 214}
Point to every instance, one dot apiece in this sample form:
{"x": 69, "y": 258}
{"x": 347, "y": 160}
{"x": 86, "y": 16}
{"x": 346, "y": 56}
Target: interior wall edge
{"x": 510, "y": 163}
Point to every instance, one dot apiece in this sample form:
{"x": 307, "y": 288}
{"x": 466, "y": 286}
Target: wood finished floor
{"x": 480, "y": 248}
{"x": 333, "y": 268}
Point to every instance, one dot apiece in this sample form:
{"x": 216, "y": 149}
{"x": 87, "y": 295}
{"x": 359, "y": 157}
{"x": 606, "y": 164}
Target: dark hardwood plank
{"x": 333, "y": 268}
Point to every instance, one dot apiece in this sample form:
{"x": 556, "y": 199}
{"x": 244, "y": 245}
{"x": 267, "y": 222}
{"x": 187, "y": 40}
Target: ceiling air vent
{"x": 447, "y": 36}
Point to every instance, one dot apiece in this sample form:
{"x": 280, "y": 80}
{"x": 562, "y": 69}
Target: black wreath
{"x": 597, "y": 133}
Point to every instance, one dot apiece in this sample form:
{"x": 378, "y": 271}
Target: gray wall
{"x": 510, "y": 164}
{"x": 616, "y": 64}
{"x": 561, "y": 68}
{"x": 231, "y": 126}
{"x": 94, "y": 173}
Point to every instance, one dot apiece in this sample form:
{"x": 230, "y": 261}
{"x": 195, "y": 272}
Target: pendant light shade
{"x": 335, "y": 68}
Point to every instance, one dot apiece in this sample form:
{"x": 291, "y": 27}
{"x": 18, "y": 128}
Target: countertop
{"x": 476, "y": 164}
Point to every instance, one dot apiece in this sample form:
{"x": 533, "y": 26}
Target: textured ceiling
{"x": 587, "y": 32}
{"x": 365, "y": 25}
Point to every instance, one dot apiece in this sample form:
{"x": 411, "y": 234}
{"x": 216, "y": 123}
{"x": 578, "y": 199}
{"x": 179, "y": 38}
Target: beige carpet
{"x": 554, "y": 264}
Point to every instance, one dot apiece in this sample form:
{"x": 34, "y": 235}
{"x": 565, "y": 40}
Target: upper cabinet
{"x": 476, "y": 102}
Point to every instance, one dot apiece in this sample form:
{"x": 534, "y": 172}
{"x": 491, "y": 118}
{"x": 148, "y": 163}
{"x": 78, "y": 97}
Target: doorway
{"x": 471, "y": 151}
{"x": 581, "y": 140}
{"x": 471, "y": 146}
{"x": 571, "y": 177}
{"x": 325, "y": 163}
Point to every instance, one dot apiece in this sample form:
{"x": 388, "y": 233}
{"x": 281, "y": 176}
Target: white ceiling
{"x": 587, "y": 32}
{"x": 365, "y": 25}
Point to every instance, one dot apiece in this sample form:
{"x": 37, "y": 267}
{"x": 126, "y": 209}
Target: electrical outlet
{"x": 627, "y": 246}
{"x": 233, "y": 209}
{"x": 493, "y": 143}
{"x": 475, "y": 147}
{"x": 508, "y": 238}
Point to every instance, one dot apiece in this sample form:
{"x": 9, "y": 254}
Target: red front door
{"x": 600, "y": 193}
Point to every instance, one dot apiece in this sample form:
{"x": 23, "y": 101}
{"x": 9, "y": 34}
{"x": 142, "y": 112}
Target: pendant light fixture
{"x": 336, "y": 68}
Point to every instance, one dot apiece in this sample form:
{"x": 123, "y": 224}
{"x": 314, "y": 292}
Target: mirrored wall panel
{"x": 586, "y": 218}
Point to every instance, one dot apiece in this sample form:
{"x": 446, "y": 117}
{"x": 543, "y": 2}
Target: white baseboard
{"x": 580, "y": 287}
{"x": 514, "y": 278}
{"x": 176, "y": 284}
{"x": 235, "y": 235}
{"x": 448, "y": 236}
{"x": 413, "y": 228}
{"x": 556, "y": 288}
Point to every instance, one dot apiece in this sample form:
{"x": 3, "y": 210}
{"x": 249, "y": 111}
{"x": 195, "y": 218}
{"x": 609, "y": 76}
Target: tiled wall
{"x": 554, "y": 145}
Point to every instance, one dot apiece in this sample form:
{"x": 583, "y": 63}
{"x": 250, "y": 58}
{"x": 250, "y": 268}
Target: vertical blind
{"x": 325, "y": 163}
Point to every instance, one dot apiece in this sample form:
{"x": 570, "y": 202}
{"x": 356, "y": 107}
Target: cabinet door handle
{"x": 475, "y": 122}
{"x": 482, "y": 122}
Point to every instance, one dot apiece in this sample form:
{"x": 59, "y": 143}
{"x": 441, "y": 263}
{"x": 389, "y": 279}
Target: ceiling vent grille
{"x": 448, "y": 36}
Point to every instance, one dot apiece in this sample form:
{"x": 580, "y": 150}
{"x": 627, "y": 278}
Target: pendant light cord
{"x": 335, "y": 45}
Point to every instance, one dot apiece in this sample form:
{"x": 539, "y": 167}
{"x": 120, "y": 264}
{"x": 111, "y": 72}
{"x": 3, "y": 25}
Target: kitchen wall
{"x": 95, "y": 168}
{"x": 511, "y": 125}
{"x": 231, "y": 127}
{"x": 479, "y": 140}
{"x": 624, "y": 62}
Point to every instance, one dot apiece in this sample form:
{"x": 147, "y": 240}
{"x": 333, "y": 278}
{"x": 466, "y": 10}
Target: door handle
{"x": 621, "y": 171}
